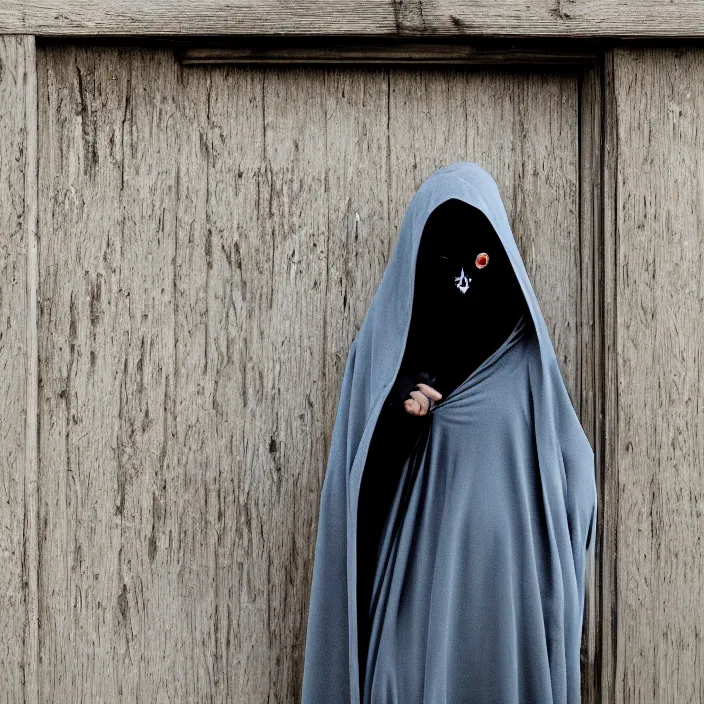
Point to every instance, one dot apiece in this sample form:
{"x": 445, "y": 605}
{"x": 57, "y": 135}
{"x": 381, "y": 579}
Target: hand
{"x": 423, "y": 398}
{"x": 415, "y": 392}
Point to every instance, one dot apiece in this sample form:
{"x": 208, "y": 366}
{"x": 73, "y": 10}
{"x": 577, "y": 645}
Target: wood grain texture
{"x": 572, "y": 18}
{"x": 18, "y": 365}
{"x": 608, "y": 443}
{"x": 659, "y": 609}
{"x": 211, "y": 238}
{"x": 360, "y": 235}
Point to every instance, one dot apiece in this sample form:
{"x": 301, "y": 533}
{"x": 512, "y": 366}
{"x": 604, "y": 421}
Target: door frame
{"x": 596, "y": 397}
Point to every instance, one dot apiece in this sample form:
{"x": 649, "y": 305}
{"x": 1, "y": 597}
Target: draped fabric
{"x": 479, "y": 586}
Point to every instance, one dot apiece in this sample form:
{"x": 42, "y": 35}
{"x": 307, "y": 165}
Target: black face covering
{"x": 466, "y": 297}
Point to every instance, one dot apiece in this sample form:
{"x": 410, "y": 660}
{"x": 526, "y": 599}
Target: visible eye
{"x": 482, "y": 260}
{"x": 442, "y": 256}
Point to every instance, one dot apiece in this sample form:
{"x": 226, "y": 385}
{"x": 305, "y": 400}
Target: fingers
{"x": 412, "y": 406}
{"x": 429, "y": 391}
{"x": 421, "y": 400}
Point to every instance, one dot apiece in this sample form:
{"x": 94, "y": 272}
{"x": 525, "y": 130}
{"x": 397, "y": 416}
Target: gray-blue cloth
{"x": 479, "y": 588}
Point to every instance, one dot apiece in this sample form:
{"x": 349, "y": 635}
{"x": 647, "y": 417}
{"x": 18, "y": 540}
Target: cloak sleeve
{"x": 326, "y": 675}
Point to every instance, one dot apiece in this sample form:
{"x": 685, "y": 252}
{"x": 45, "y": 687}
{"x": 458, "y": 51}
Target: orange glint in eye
{"x": 482, "y": 260}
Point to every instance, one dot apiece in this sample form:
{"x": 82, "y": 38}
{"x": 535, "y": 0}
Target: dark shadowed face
{"x": 463, "y": 274}
{"x": 466, "y": 297}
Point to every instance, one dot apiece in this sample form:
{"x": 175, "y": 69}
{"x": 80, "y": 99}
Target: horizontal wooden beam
{"x": 362, "y": 18}
{"x": 398, "y": 53}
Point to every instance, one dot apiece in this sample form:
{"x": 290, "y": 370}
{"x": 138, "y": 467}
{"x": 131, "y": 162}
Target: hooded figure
{"x": 473, "y": 581}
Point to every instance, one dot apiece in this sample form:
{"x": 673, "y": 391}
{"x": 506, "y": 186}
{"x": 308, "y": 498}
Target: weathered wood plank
{"x": 18, "y": 365}
{"x": 107, "y": 212}
{"x": 659, "y": 209}
{"x": 223, "y": 388}
{"x": 294, "y": 205}
{"x": 607, "y": 365}
{"x": 631, "y": 18}
{"x": 236, "y": 352}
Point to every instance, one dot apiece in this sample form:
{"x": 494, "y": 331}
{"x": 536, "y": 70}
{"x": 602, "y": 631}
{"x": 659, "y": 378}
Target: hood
{"x": 384, "y": 330}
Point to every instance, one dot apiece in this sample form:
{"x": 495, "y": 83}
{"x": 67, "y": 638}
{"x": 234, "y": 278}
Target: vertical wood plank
{"x": 31, "y": 487}
{"x": 18, "y": 362}
{"x": 222, "y": 267}
{"x": 660, "y": 246}
{"x": 530, "y": 139}
{"x": 608, "y": 443}
{"x": 295, "y": 206}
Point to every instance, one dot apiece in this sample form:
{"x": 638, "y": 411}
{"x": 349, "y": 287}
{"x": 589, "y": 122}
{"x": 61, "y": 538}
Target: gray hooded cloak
{"x": 479, "y": 587}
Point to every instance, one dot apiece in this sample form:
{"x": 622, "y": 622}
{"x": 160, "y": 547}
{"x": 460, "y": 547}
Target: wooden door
{"x": 210, "y": 238}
